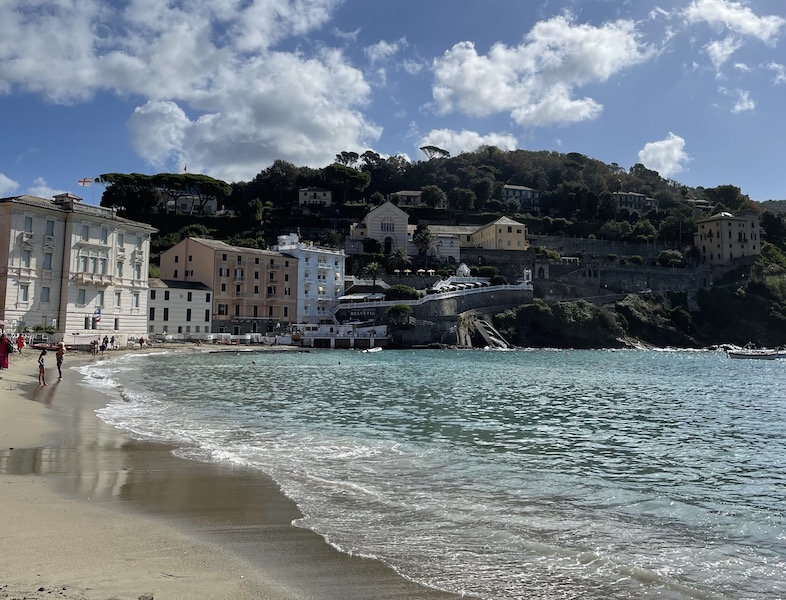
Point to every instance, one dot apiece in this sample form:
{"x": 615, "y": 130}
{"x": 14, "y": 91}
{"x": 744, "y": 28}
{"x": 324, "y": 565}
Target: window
{"x": 50, "y": 228}
{"x": 175, "y": 274}
{"x": 196, "y": 329}
{"x": 80, "y": 297}
{"x": 28, "y": 224}
{"x": 180, "y": 329}
{"x": 223, "y": 309}
{"x": 118, "y": 300}
{"x": 137, "y": 271}
{"x": 223, "y": 272}
{"x": 26, "y": 258}
{"x": 223, "y": 257}
{"x": 152, "y": 294}
{"x": 188, "y": 297}
{"x": 24, "y": 292}
{"x": 256, "y": 310}
{"x": 188, "y": 314}
{"x": 44, "y": 295}
{"x": 117, "y": 323}
{"x": 102, "y": 266}
{"x": 271, "y": 290}
{"x": 87, "y": 322}
{"x": 119, "y": 270}
{"x": 190, "y": 258}
{"x": 256, "y": 289}
{"x": 207, "y": 297}
{"x": 237, "y": 290}
{"x": 256, "y": 260}
{"x": 93, "y": 264}
{"x": 135, "y": 300}
{"x": 286, "y": 263}
{"x": 85, "y": 233}
{"x": 256, "y": 274}
{"x": 237, "y": 310}
{"x": 286, "y": 311}
{"x": 120, "y": 240}
{"x": 100, "y": 298}
{"x": 223, "y": 287}
{"x": 207, "y": 315}
{"x": 272, "y": 263}
{"x": 152, "y": 316}
{"x": 188, "y": 328}
{"x": 166, "y": 314}
{"x": 269, "y": 311}
{"x": 138, "y": 242}
{"x": 166, "y": 294}
{"x": 104, "y": 236}
{"x": 239, "y": 259}
{"x": 287, "y": 291}
{"x": 272, "y": 277}
{"x": 177, "y": 259}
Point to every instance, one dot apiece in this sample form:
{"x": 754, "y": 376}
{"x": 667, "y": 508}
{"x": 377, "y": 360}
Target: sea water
{"x": 526, "y": 474}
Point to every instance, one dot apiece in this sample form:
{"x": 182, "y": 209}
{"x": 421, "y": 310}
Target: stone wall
{"x": 572, "y": 246}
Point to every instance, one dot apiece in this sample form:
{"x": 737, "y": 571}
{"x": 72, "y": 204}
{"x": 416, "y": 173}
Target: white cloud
{"x": 214, "y": 90}
{"x": 744, "y": 102}
{"x": 735, "y": 17}
{"x": 457, "y": 142}
{"x": 7, "y": 186}
{"x": 535, "y": 81}
{"x": 720, "y": 51}
{"x": 666, "y": 156}
{"x": 742, "y": 67}
{"x": 42, "y": 189}
{"x": 780, "y": 73}
{"x": 383, "y": 50}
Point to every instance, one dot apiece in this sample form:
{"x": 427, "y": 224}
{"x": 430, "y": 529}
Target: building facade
{"x": 320, "y": 278}
{"x": 387, "y": 224}
{"x": 724, "y": 237}
{"x": 79, "y": 269}
{"x": 638, "y": 203}
{"x": 179, "y": 308}
{"x": 313, "y": 196}
{"x": 254, "y": 291}
{"x": 528, "y": 198}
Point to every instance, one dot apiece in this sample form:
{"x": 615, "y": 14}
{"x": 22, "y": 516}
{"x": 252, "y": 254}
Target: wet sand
{"x": 86, "y": 512}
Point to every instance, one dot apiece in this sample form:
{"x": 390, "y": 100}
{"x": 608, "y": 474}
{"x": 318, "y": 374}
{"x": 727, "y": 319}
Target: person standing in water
{"x": 41, "y": 371}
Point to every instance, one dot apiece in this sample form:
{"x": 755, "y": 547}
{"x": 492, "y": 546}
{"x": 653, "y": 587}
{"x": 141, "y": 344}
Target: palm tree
{"x": 398, "y": 259}
{"x": 372, "y": 270}
{"x": 424, "y": 241}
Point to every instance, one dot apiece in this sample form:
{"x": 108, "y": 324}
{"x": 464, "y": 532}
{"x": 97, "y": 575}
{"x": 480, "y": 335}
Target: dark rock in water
{"x": 146, "y": 597}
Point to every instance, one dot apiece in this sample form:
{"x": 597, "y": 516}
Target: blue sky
{"x": 694, "y": 89}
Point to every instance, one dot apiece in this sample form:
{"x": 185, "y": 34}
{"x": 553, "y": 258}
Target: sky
{"x": 694, "y": 89}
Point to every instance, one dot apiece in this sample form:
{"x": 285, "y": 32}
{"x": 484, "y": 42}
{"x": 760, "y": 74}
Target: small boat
{"x": 754, "y": 353}
{"x": 374, "y": 349}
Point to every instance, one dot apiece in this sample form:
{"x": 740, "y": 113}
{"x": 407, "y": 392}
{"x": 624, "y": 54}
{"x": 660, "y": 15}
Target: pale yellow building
{"x": 254, "y": 291}
{"x": 724, "y": 237}
{"x": 502, "y": 234}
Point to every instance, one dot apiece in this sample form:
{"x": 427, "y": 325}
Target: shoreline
{"x": 86, "y": 512}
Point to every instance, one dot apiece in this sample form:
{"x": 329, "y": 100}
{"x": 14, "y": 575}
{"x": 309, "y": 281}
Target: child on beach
{"x": 41, "y": 372}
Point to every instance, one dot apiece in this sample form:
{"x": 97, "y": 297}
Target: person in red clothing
{"x": 20, "y": 342}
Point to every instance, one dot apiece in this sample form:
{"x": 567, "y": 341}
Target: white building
{"x": 320, "y": 278}
{"x": 78, "y": 268}
{"x": 182, "y": 309}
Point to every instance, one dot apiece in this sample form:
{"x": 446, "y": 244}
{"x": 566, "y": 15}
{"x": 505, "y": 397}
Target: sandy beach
{"x": 88, "y": 513}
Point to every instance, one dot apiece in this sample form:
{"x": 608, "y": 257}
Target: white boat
{"x": 374, "y": 349}
{"x": 753, "y": 353}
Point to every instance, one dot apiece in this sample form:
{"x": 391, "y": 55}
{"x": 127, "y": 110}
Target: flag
{"x": 85, "y": 182}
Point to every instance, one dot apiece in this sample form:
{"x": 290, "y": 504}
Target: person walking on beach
{"x": 20, "y": 342}
{"x": 59, "y": 358}
{"x": 5, "y": 350}
{"x": 41, "y": 372}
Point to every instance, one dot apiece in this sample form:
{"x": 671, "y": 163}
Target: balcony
{"x": 93, "y": 279}
{"x": 49, "y": 241}
{"x": 27, "y": 238}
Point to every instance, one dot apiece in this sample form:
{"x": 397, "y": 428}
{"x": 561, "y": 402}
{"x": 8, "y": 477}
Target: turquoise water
{"x": 525, "y": 474}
